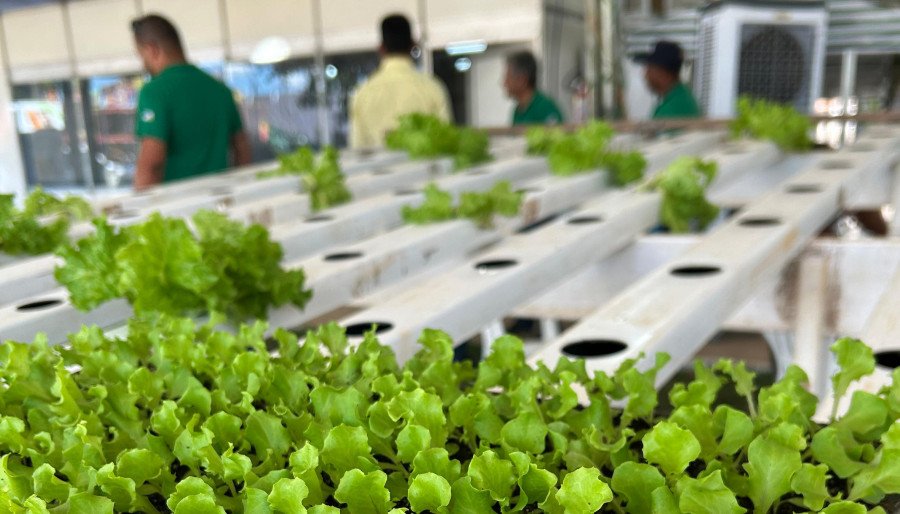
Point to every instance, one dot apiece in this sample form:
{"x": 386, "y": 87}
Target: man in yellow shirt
{"x": 397, "y": 88}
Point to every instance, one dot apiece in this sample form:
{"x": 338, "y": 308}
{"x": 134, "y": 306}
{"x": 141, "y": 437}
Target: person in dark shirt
{"x": 187, "y": 121}
{"x": 663, "y": 68}
{"x": 520, "y": 81}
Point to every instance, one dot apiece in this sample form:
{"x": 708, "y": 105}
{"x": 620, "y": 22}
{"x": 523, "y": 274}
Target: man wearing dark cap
{"x": 187, "y": 121}
{"x": 397, "y": 88}
{"x": 663, "y": 68}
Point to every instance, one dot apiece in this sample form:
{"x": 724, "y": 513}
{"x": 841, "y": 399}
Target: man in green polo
{"x": 520, "y": 82}
{"x": 663, "y": 68}
{"x": 187, "y": 121}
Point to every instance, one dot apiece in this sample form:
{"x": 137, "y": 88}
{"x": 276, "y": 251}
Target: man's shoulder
{"x": 545, "y": 100}
{"x": 152, "y": 87}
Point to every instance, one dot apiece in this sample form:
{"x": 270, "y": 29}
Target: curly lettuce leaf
{"x": 321, "y": 177}
{"x": 779, "y": 123}
{"x": 424, "y": 136}
{"x": 683, "y": 186}
{"x": 437, "y": 207}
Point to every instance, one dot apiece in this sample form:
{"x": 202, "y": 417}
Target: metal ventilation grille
{"x": 776, "y": 63}
{"x": 707, "y": 58}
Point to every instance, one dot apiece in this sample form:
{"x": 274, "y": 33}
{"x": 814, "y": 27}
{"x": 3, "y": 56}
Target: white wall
{"x": 488, "y": 104}
{"x": 36, "y": 53}
{"x": 102, "y": 40}
{"x": 12, "y": 170}
{"x": 639, "y": 100}
{"x": 563, "y": 42}
{"x": 106, "y": 51}
{"x": 495, "y": 21}
{"x": 248, "y": 25}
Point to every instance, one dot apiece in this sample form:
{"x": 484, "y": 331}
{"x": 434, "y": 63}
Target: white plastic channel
{"x": 28, "y": 277}
{"x": 341, "y": 225}
{"x": 340, "y": 276}
{"x": 582, "y": 294}
{"x": 856, "y": 283}
{"x": 364, "y": 219}
{"x": 52, "y": 314}
{"x": 881, "y": 334}
{"x": 677, "y": 308}
{"x": 466, "y": 298}
{"x": 231, "y": 179}
{"x": 251, "y": 195}
{"x": 337, "y": 226}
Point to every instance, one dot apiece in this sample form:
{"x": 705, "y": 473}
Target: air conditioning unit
{"x": 762, "y": 49}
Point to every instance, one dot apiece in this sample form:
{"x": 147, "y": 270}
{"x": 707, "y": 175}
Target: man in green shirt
{"x": 520, "y": 82}
{"x": 187, "y": 121}
{"x": 663, "y": 68}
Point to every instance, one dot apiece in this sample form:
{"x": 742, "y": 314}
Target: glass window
{"x": 452, "y": 71}
{"x": 343, "y": 74}
{"x": 277, "y": 103}
{"x": 45, "y": 120}
{"x": 110, "y": 104}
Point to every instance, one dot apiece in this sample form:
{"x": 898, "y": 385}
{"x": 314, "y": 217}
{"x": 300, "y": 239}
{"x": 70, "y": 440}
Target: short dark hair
{"x": 524, "y": 63}
{"x": 396, "y": 34}
{"x": 155, "y": 29}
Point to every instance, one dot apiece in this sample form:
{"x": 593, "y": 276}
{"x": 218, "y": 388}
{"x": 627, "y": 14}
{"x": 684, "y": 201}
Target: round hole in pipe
{"x": 494, "y": 265}
{"x": 319, "y": 219}
{"x": 343, "y": 256}
{"x": 759, "y": 221}
{"x": 889, "y": 359}
{"x": 588, "y": 348}
{"x": 360, "y": 329}
{"x": 39, "y": 305}
{"x": 836, "y": 164}
{"x": 584, "y": 220}
{"x": 695, "y": 271}
{"x": 861, "y": 148}
{"x": 803, "y": 189}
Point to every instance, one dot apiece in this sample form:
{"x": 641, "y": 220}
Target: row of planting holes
{"x": 593, "y": 348}
{"x": 484, "y": 267}
{"x": 584, "y": 348}
{"x": 487, "y": 267}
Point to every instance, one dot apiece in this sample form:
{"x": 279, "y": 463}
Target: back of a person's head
{"x": 396, "y": 34}
{"x": 524, "y": 63}
{"x": 154, "y": 29}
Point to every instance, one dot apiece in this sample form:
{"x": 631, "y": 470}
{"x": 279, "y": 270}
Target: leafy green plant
{"x": 478, "y": 206}
{"x": 161, "y": 266}
{"x": 41, "y": 203}
{"x": 42, "y": 225}
{"x": 481, "y": 207}
{"x": 585, "y": 150}
{"x": 188, "y": 419}
{"x": 779, "y": 123}
{"x": 625, "y": 167}
{"x": 436, "y": 207}
{"x": 539, "y": 140}
{"x": 320, "y": 177}
{"x": 424, "y": 136}
{"x": 683, "y": 186}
